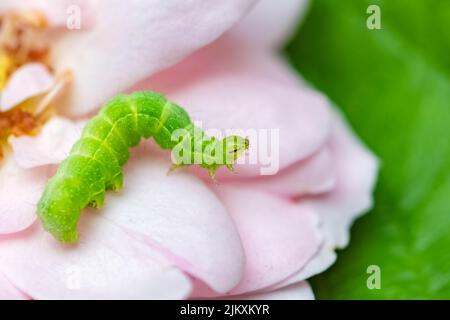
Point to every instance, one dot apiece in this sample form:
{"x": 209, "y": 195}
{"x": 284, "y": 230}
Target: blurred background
{"x": 393, "y": 84}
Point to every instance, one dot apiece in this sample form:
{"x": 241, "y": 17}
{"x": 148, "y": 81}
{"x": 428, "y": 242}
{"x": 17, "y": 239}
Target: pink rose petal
{"x": 356, "y": 169}
{"x": 29, "y": 80}
{"x": 132, "y": 39}
{"x": 51, "y": 146}
{"x": 313, "y": 175}
{"x": 8, "y": 291}
{"x": 278, "y": 237}
{"x": 248, "y": 90}
{"x": 158, "y": 224}
{"x": 270, "y": 23}
{"x": 106, "y": 264}
{"x": 321, "y": 261}
{"x": 179, "y": 215}
{"x": 20, "y": 190}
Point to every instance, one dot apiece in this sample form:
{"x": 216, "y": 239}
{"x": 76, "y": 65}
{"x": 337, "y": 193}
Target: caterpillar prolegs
{"x": 95, "y": 162}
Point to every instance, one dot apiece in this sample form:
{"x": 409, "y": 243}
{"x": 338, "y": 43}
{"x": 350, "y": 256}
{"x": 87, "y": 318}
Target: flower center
{"x": 24, "y": 39}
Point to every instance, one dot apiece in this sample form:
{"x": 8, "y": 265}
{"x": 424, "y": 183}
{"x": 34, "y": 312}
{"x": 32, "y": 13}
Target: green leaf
{"x": 394, "y": 86}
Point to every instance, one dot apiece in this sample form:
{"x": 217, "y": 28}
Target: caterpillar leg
{"x": 97, "y": 200}
{"x": 230, "y": 167}
{"x": 174, "y": 167}
{"x": 117, "y": 183}
{"x": 212, "y": 173}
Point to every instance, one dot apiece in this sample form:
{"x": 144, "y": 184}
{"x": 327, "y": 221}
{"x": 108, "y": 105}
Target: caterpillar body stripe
{"x": 95, "y": 162}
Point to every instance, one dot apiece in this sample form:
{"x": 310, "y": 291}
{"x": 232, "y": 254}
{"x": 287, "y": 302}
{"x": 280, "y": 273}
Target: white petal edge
{"x": 30, "y": 80}
{"x": 270, "y": 23}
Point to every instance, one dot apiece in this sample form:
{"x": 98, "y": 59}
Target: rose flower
{"x": 258, "y": 233}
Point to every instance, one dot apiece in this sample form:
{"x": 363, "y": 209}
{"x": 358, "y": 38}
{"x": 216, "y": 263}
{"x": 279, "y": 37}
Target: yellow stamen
{"x": 24, "y": 39}
{"x": 6, "y": 64}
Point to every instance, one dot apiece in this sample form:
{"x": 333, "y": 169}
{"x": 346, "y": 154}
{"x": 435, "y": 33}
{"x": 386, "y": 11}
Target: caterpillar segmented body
{"x": 95, "y": 162}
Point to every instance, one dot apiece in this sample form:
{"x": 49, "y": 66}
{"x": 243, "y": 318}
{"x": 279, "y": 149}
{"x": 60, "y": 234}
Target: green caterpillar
{"x": 95, "y": 162}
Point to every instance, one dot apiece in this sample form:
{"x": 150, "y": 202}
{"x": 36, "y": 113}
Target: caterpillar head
{"x": 232, "y": 147}
{"x": 215, "y": 153}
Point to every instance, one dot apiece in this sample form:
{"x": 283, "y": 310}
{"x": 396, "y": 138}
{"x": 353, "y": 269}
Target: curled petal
{"x": 30, "y": 80}
{"x": 51, "y": 146}
{"x": 321, "y": 261}
{"x": 20, "y": 190}
{"x": 314, "y": 175}
{"x": 258, "y": 27}
{"x": 278, "y": 237}
{"x": 356, "y": 168}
